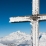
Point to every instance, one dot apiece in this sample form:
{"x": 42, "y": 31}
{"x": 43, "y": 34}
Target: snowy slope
{"x": 16, "y": 38}
{"x": 2, "y": 45}
{"x": 43, "y": 40}
{"x": 22, "y": 39}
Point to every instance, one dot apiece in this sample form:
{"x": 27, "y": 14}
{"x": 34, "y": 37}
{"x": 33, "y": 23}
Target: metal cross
{"x": 34, "y": 19}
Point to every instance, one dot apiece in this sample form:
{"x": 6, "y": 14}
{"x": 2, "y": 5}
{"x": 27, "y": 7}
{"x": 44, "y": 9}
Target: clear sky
{"x": 9, "y": 8}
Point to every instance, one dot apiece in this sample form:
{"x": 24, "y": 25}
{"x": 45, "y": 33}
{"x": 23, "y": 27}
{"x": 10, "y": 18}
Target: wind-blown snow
{"x": 2, "y": 45}
{"x": 21, "y": 39}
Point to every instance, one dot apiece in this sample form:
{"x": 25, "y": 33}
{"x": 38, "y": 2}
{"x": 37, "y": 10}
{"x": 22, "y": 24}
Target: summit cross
{"x": 34, "y": 19}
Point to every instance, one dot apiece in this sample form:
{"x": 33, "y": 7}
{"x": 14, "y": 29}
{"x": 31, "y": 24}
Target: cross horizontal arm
{"x": 19, "y": 19}
{"x": 42, "y": 17}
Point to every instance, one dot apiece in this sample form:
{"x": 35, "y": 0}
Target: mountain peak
{"x": 19, "y": 37}
{"x": 16, "y": 36}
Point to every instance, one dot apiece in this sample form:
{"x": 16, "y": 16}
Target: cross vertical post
{"x": 35, "y": 12}
{"x": 35, "y": 7}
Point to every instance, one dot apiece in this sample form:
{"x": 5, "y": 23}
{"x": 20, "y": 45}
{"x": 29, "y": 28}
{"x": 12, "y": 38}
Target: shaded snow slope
{"x": 2, "y": 44}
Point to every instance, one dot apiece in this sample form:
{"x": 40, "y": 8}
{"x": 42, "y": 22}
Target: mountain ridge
{"x": 20, "y": 38}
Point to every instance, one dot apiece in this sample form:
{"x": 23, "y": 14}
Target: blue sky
{"x": 9, "y": 8}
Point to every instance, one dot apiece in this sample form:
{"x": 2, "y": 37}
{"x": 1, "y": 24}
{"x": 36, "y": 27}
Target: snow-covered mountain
{"x": 16, "y": 38}
{"x": 21, "y": 39}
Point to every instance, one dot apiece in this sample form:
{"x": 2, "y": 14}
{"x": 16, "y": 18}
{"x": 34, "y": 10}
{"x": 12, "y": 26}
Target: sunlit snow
{"x": 21, "y": 39}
